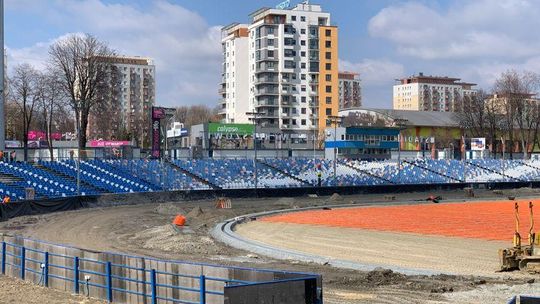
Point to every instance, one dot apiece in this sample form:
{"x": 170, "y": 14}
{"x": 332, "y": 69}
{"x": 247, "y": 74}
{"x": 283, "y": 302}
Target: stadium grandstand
{"x": 52, "y": 179}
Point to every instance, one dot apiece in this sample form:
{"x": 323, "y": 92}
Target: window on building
{"x": 303, "y": 65}
{"x": 303, "y": 122}
{"x": 302, "y": 42}
{"x": 270, "y": 42}
{"x": 289, "y": 64}
{"x": 303, "y": 18}
{"x": 270, "y": 30}
{"x": 302, "y": 31}
{"x": 328, "y": 66}
{"x": 294, "y": 122}
{"x": 270, "y": 54}
{"x": 303, "y": 111}
{"x": 303, "y": 53}
{"x": 328, "y": 89}
{"x": 328, "y": 99}
{"x": 328, "y": 55}
{"x": 303, "y": 99}
{"x": 328, "y": 77}
{"x": 293, "y": 18}
{"x": 328, "y": 33}
{"x": 328, "y": 44}
{"x": 328, "y": 111}
{"x": 303, "y": 88}
{"x": 303, "y": 76}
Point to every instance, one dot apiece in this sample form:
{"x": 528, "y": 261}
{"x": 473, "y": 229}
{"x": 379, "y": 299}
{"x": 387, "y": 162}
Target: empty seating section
{"x": 237, "y": 173}
{"x": 160, "y": 175}
{"x": 44, "y": 182}
{"x": 58, "y": 178}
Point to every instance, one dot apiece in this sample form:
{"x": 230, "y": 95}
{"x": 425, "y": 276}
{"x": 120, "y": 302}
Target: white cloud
{"x": 186, "y": 50}
{"x": 467, "y": 29}
{"x": 374, "y": 72}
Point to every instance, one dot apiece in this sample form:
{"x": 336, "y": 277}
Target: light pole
{"x": 335, "y": 120}
{"x": 79, "y": 152}
{"x": 255, "y": 117}
{"x": 401, "y": 123}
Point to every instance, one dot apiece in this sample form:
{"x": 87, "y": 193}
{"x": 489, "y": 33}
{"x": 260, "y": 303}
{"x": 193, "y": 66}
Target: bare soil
{"x": 13, "y": 290}
{"x": 147, "y": 230}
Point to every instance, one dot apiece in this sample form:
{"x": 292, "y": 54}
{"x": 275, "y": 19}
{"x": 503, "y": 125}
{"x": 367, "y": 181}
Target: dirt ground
{"x": 146, "y": 230}
{"x": 13, "y": 290}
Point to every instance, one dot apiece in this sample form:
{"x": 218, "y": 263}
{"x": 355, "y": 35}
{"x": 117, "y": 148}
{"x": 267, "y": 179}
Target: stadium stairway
{"x": 369, "y": 173}
{"x": 64, "y": 176}
{"x": 305, "y": 182}
{"x": 493, "y": 171}
{"x": 194, "y": 176}
{"x": 416, "y": 164}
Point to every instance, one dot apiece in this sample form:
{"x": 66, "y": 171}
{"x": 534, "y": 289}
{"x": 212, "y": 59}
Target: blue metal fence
{"x": 15, "y": 256}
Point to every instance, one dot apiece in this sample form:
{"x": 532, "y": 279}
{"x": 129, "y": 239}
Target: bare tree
{"x": 79, "y": 59}
{"x": 194, "y": 115}
{"x": 480, "y": 118}
{"x": 51, "y": 100}
{"x": 25, "y": 92}
{"x": 521, "y": 111}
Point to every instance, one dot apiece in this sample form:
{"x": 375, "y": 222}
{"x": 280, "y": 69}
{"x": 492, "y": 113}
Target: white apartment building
{"x": 292, "y": 69}
{"x": 431, "y": 93}
{"x": 350, "y": 91}
{"x": 131, "y": 93}
{"x": 234, "y": 89}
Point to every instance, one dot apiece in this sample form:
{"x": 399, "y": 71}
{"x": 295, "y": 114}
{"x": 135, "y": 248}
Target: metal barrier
{"x": 14, "y": 257}
{"x": 524, "y": 300}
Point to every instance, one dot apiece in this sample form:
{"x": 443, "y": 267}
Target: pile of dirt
{"x": 335, "y": 198}
{"x": 169, "y": 209}
{"x": 167, "y": 238}
{"x": 195, "y": 213}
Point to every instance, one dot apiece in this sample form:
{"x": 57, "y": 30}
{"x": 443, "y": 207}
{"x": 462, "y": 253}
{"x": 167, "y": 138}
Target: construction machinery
{"x": 522, "y": 257}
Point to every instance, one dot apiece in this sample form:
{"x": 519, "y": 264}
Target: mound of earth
{"x": 169, "y": 209}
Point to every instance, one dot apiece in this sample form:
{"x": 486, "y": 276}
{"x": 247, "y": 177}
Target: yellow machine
{"x": 522, "y": 257}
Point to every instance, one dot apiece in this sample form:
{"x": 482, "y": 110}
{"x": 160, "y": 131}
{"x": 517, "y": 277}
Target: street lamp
{"x": 335, "y": 120}
{"x": 255, "y": 116}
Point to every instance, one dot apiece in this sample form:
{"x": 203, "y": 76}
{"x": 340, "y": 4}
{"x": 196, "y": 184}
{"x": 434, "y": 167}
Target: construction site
{"x": 367, "y": 248}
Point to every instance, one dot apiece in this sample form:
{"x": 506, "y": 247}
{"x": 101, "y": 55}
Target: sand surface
{"x": 387, "y": 249}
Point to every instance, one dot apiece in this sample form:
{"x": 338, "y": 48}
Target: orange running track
{"x": 489, "y": 220}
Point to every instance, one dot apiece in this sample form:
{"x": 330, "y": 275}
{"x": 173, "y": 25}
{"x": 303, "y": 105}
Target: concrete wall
{"x": 173, "y": 273}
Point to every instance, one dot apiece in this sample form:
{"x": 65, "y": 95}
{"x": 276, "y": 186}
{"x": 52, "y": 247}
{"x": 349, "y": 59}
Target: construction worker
{"x": 319, "y": 180}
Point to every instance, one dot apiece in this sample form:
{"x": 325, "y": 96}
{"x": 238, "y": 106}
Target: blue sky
{"x": 380, "y": 39}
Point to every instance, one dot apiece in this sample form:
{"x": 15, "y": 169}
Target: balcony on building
{"x": 266, "y": 90}
{"x": 266, "y": 78}
{"x": 266, "y": 66}
{"x": 266, "y": 101}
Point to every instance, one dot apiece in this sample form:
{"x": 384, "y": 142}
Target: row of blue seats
{"x": 57, "y": 178}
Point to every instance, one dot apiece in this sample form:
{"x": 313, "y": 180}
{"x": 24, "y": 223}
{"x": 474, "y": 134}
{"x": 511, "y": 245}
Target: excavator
{"x": 522, "y": 257}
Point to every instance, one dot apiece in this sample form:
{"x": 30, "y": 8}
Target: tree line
{"x": 508, "y": 116}
{"x": 74, "y": 84}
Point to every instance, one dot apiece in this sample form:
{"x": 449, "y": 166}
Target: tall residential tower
{"x": 130, "y": 93}
{"x": 292, "y": 71}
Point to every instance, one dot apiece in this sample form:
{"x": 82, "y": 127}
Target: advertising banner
{"x": 108, "y": 143}
{"x": 156, "y": 138}
{"x": 240, "y": 129}
{"x": 478, "y": 144}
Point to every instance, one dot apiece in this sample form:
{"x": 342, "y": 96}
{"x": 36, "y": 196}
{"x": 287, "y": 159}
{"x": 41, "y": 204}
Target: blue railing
{"x": 15, "y": 257}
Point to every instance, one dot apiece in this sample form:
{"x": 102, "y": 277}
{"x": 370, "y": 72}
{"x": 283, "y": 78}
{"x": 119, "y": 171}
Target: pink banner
{"x": 40, "y": 135}
{"x": 108, "y": 143}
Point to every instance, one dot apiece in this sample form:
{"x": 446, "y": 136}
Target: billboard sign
{"x": 239, "y": 129}
{"x": 478, "y": 144}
